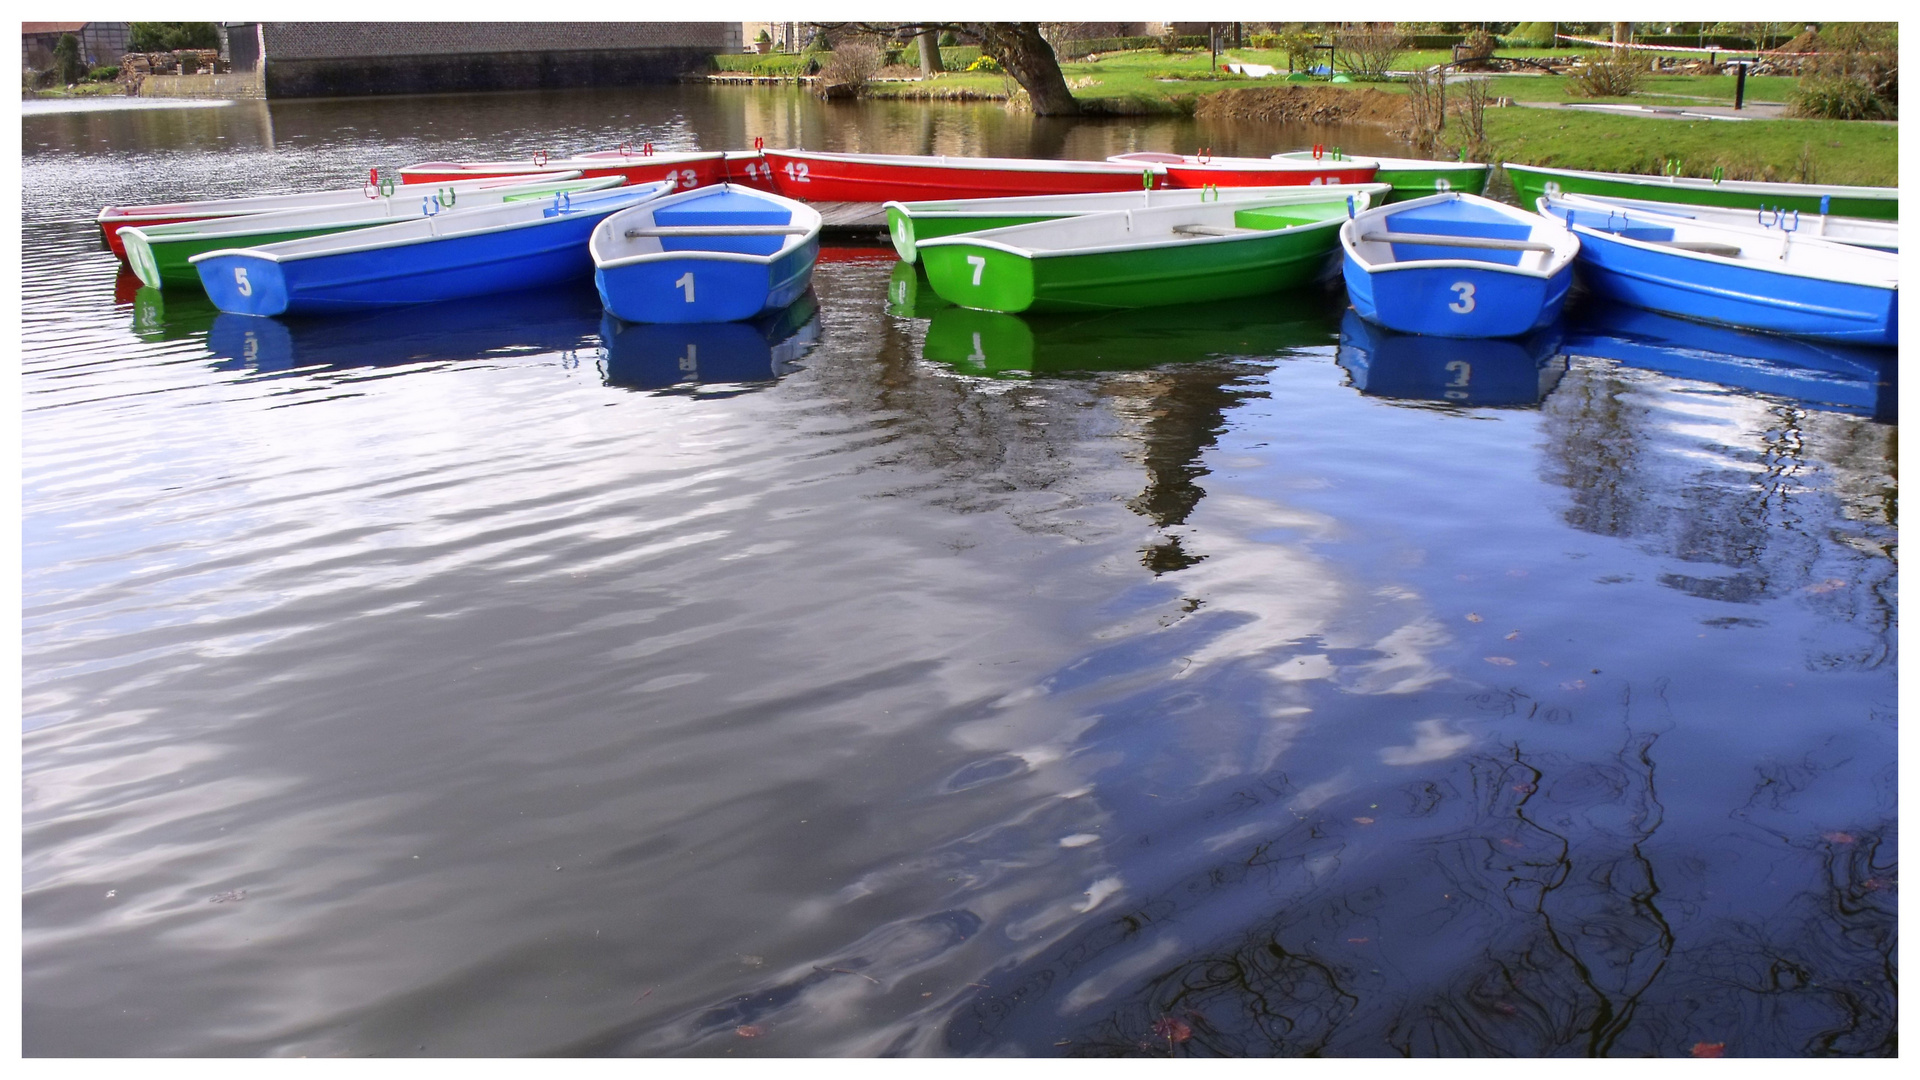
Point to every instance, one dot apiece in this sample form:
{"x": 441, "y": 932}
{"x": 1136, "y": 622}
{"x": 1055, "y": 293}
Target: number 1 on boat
{"x": 686, "y": 282}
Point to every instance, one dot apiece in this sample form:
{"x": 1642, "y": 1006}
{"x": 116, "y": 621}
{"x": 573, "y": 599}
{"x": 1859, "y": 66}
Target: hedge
{"x": 952, "y": 57}
{"x": 772, "y": 64}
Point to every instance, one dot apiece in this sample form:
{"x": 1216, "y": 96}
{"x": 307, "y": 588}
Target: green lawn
{"x": 1832, "y": 152}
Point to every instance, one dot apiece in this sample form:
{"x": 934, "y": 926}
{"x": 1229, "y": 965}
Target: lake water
{"x": 897, "y": 679}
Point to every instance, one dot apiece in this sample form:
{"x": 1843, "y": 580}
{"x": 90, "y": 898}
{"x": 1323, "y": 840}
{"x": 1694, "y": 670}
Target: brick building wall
{"x": 344, "y": 59}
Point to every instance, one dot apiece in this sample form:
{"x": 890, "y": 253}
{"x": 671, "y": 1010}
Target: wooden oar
{"x": 1457, "y": 241}
{"x": 718, "y": 230}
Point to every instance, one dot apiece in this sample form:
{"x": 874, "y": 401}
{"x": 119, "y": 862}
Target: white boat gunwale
{"x": 676, "y": 157}
{"x": 1394, "y": 164}
{"x": 1750, "y": 187}
{"x": 174, "y": 210}
{"x": 994, "y": 238}
{"x": 1290, "y": 193}
{"x": 1865, "y": 227}
{"x": 265, "y": 252}
{"x": 1565, "y": 245}
{"x": 245, "y": 224}
{"x": 991, "y": 163}
{"x": 1243, "y": 164}
{"x": 798, "y": 212}
{"x": 1760, "y": 260}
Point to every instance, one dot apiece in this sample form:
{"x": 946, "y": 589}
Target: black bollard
{"x": 1739, "y": 82}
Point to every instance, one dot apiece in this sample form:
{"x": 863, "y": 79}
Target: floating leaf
{"x": 749, "y": 1031}
{"x": 1512, "y": 843}
{"x": 1364, "y": 820}
{"x": 1506, "y": 1008}
{"x": 1707, "y": 1049}
{"x": 1515, "y": 636}
{"x": 1357, "y": 941}
{"x": 1516, "y": 573}
{"x": 1524, "y": 789}
{"x": 1474, "y": 617}
{"x": 1577, "y": 684}
{"x": 1172, "y": 1030}
{"x": 1837, "y": 837}
{"x": 1503, "y": 661}
{"x": 1827, "y": 586}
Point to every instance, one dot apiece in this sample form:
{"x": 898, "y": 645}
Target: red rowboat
{"x": 874, "y": 178}
{"x": 686, "y": 170}
{"x": 114, "y": 218}
{"x": 1199, "y": 170}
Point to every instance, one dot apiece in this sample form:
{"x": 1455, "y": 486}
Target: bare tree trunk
{"x": 1030, "y": 60}
{"x": 1622, "y": 33}
{"x": 930, "y": 52}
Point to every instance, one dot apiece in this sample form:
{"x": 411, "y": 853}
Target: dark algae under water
{"x": 888, "y": 678}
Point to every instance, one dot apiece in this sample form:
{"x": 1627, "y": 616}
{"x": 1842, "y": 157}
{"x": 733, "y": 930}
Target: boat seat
{"x": 1704, "y": 247}
{"x": 718, "y": 230}
{"x": 1493, "y": 243}
{"x": 1212, "y": 230}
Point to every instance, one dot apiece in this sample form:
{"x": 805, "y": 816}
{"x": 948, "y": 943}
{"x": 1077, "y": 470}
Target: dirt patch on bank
{"x": 1306, "y": 104}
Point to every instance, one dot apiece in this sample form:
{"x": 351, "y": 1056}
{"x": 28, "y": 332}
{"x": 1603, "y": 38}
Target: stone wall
{"x": 230, "y": 87}
{"x": 347, "y": 59}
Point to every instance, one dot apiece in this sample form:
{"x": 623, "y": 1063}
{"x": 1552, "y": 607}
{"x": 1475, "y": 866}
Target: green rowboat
{"x": 1414, "y": 178}
{"x": 1530, "y": 182}
{"x": 911, "y": 222}
{"x": 1137, "y": 258}
{"x": 159, "y": 254}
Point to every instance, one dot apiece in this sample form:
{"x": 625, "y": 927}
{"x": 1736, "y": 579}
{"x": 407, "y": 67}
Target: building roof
{"x": 27, "y": 28}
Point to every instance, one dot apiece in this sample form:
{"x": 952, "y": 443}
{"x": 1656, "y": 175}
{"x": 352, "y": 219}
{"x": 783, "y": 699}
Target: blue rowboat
{"x": 1477, "y": 373}
{"x": 714, "y": 254}
{"x": 685, "y": 356}
{"x": 1456, "y": 265}
{"x": 451, "y": 255}
{"x": 1777, "y": 281}
{"x": 1819, "y": 374}
{"x": 1859, "y": 232}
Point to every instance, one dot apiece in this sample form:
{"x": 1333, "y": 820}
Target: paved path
{"x": 1754, "y": 110}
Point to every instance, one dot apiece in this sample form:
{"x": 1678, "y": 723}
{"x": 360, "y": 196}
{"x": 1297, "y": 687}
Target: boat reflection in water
{"x": 1478, "y": 372}
{"x": 910, "y": 295}
{"x": 687, "y": 356}
{"x": 505, "y": 326}
{"x": 166, "y": 317}
{"x": 1837, "y": 378}
{"x": 1001, "y": 345}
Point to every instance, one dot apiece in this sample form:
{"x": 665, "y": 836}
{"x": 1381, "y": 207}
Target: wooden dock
{"x": 852, "y": 222}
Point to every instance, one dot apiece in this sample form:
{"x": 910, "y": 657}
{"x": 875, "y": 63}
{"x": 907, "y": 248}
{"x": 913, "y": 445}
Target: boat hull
{"x": 1530, "y": 184}
{"x": 699, "y": 287}
{"x": 166, "y": 265}
{"x": 1455, "y": 300}
{"x": 1176, "y": 273}
{"x": 1417, "y": 182}
{"x": 824, "y": 178}
{"x": 1739, "y": 296}
{"x": 449, "y": 268}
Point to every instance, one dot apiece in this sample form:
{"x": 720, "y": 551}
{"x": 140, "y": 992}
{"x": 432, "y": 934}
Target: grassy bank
{"x": 1147, "y": 82}
{"x": 94, "y": 89}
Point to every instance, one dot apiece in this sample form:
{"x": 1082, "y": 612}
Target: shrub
{"x": 66, "y": 59}
{"x": 169, "y": 36}
{"x": 1617, "y": 75}
{"x": 947, "y": 38}
{"x": 772, "y": 64}
{"x": 1369, "y": 51}
{"x": 1169, "y": 42}
{"x": 1299, "y": 46}
{"x": 1533, "y": 35}
{"x": 107, "y": 73}
{"x": 852, "y": 64}
{"x": 1835, "y": 97}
